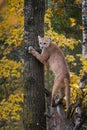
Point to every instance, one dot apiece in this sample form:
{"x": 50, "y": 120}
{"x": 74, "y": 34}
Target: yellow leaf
{"x": 73, "y": 22}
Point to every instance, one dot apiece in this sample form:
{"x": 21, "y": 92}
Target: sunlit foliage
{"x": 10, "y": 109}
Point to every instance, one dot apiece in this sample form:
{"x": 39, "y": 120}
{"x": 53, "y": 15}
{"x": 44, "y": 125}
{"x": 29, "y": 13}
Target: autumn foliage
{"x": 11, "y": 54}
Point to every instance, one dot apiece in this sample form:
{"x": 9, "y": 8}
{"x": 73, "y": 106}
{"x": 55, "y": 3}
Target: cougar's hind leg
{"x": 56, "y": 85}
{"x": 62, "y": 92}
{"x": 67, "y": 92}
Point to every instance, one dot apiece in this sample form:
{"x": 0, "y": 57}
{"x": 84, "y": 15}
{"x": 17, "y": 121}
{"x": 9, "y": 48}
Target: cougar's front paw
{"x": 30, "y": 49}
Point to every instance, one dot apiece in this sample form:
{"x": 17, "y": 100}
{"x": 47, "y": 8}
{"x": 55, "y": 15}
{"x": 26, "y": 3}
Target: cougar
{"x": 53, "y": 55}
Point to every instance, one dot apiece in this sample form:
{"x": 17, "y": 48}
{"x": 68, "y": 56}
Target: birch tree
{"x": 84, "y": 22}
{"x": 83, "y": 81}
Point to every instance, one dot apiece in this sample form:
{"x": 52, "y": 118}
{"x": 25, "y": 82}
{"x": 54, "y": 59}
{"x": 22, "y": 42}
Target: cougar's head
{"x": 44, "y": 42}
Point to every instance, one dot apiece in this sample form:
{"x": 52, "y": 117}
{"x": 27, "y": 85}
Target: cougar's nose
{"x": 41, "y": 47}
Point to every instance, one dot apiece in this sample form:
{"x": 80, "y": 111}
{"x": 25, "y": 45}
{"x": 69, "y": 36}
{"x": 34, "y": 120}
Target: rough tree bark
{"x": 34, "y": 99}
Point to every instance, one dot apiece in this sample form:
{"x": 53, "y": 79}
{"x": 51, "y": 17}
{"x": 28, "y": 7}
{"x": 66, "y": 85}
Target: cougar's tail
{"x": 67, "y": 92}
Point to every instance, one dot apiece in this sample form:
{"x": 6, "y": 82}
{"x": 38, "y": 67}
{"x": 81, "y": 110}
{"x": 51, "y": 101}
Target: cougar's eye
{"x": 44, "y": 43}
{"x": 40, "y": 43}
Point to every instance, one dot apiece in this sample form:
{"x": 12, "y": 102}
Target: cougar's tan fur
{"x": 52, "y": 55}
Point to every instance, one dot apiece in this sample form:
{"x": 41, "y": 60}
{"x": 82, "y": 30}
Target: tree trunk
{"x": 34, "y": 99}
{"x": 83, "y": 81}
{"x": 84, "y": 22}
{"x": 56, "y": 116}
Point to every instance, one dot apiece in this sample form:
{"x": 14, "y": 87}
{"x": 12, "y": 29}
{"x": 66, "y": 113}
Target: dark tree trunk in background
{"x": 84, "y": 22}
{"x": 34, "y": 100}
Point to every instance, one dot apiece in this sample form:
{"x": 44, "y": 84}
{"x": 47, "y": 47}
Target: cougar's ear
{"x": 39, "y": 38}
{"x": 48, "y": 39}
